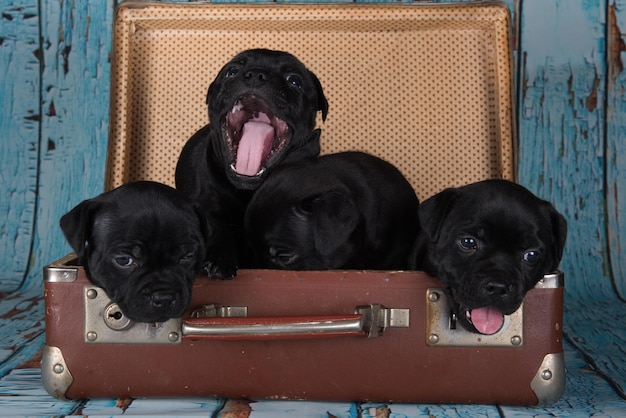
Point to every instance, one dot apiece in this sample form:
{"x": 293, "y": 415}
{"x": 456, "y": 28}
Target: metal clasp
{"x": 105, "y": 323}
{"x": 442, "y": 330}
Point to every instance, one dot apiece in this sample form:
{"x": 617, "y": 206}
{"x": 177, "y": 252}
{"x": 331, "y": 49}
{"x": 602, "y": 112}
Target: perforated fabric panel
{"x": 427, "y": 88}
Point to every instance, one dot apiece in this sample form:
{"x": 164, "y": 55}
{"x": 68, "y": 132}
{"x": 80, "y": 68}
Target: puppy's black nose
{"x": 163, "y": 299}
{"x": 498, "y": 288}
{"x": 255, "y": 77}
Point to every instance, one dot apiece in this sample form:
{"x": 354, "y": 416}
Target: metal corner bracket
{"x": 549, "y": 381}
{"x": 55, "y": 375}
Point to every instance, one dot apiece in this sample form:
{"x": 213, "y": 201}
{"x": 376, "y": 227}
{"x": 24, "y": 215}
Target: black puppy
{"x": 489, "y": 243}
{"x": 341, "y": 211}
{"x": 262, "y": 111}
{"x": 143, "y": 243}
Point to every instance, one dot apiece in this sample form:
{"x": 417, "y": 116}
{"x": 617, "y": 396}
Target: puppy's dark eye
{"x": 281, "y": 256}
{"x": 531, "y": 256}
{"x": 186, "y": 257}
{"x": 231, "y": 72}
{"x": 285, "y": 258}
{"x": 124, "y": 261}
{"x": 294, "y": 80}
{"x": 468, "y": 243}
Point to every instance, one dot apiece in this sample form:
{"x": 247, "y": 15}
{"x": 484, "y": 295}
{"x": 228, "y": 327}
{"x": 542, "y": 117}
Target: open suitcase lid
{"x": 428, "y": 89}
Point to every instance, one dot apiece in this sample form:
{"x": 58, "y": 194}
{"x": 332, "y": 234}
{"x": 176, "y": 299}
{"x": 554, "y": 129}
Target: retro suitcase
{"x": 427, "y": 87}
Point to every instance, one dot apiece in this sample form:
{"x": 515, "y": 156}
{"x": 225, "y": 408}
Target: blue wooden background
{"x": 571, "y": 97}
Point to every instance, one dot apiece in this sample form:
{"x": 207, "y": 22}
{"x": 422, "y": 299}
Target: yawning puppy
{"x": 143, "y": 243}
{"x": 262, "y": 113}
{"x": 341, "y": 211}
{"x": 489, "y": 243}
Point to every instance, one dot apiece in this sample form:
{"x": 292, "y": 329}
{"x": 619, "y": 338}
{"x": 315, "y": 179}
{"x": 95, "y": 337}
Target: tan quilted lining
{"x": 425, "y": 87}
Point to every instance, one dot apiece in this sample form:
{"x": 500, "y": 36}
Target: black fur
{"x": 256, "y": 82}
{"x": 348, "y": 210}
{"x": 490, "y": 243}
{"x": 143, "y": 243}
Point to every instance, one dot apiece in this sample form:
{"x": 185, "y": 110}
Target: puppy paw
{"x": 226, "y": 271}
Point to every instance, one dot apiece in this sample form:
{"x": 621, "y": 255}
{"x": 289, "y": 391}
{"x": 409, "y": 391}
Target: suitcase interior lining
{"x": 428, "y": 89}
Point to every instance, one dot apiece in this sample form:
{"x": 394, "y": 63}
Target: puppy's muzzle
{"x": 498, "y": 288}
{"x": 164, "y": 299}
{"x": 255, "y": 77}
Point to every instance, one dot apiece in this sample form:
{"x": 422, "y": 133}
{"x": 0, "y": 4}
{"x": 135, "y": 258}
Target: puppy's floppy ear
{"x": 334, "y": 217}
{"x": 559, "y": 233}
{"x": 322, "y": 103}
{"x": 77, "y": 224}
{"x": 434, "y": 210}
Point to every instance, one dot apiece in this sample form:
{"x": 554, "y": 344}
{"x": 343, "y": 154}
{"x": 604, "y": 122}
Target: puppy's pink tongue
{"x": 487, "y": 320}
{"x": 255, "y": 144}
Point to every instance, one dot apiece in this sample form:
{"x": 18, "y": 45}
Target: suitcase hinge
{"x": 377, "y": 318}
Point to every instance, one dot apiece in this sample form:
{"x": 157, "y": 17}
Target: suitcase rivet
{"x": 172, "y": 336}
{"x": 516, "y": 340}
{"x": 92, "y": 336}
{"x": 433, "y": 296}
{"x": 433, "y": 338}
{"x": 92, "y": 294}
{"x": 58, "y": 368}
{"x": 546, "y": 375}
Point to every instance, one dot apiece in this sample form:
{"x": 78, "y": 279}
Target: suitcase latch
{"x": 442, "y": 329}
{"x": 105, "y": 323}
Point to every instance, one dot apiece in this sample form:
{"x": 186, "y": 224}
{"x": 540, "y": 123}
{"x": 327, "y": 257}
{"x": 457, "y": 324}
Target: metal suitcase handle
{"x": 368, "y": 321}
{"x": 105, "y": 323}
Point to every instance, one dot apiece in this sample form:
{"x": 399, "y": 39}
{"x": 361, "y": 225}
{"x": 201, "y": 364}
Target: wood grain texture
{"x": 562, "y": 130}
{"x": 616, "y": 145}
{"x": 76, "y": 39}
{"x": 19, "y": 130}
{"x": 563, "y": 143}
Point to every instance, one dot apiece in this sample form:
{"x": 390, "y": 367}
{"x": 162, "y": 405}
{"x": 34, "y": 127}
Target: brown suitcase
{"x": 427, "y": 87}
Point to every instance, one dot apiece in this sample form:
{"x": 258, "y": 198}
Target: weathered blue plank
{"x": 21, "y": 328}
{"x": 616, "y": 145}
{"x": 424, "y": 410}
{"x": 269, "y": 409}
{"x": 21, "y": 395}
{"x": 562, "y": 130}
{"x": 74, "y": 126}
{"x": 563, "y": 159}
{"x": 19, "y": 128}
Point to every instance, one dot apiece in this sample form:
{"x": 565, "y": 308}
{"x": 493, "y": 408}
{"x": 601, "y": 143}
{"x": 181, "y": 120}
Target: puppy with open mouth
{"x": 143, "y": 243}
{"x": 262, "y": 110}
{"x": 490, "y": 243}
